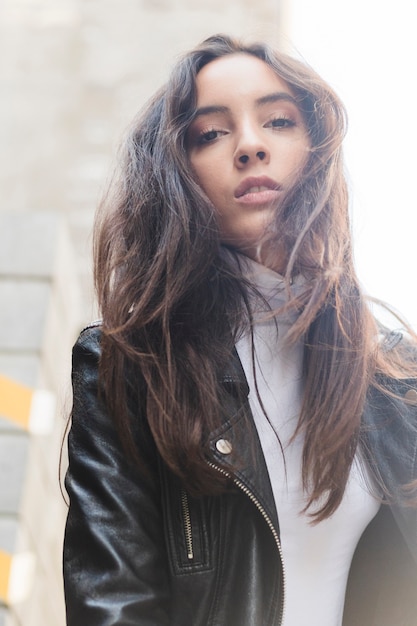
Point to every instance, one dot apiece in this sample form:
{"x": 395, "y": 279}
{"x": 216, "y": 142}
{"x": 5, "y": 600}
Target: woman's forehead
{"x": 238, "y": 74}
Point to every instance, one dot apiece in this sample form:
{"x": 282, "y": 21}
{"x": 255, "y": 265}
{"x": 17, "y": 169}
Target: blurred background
{"x": 72, "y": 75}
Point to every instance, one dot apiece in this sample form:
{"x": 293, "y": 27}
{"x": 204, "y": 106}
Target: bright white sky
{"x": 367, "y": 50}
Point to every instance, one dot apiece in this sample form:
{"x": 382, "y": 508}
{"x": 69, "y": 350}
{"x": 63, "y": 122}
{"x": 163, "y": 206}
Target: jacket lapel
{"x": 235, "y": 445}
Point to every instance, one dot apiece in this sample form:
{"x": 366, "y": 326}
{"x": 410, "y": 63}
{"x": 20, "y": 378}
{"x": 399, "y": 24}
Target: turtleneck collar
{"x": 270, "y": 285}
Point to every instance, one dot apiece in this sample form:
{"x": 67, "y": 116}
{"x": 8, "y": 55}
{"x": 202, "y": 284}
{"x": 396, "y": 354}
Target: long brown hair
{"x": 173, "y": 305}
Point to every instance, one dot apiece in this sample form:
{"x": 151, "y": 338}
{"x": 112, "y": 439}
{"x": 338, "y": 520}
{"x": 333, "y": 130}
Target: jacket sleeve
{"x": 115, "y": 564}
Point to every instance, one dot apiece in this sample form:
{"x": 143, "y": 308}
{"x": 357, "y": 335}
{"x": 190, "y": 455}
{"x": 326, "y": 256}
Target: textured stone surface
{"x": 13, "y": 460}
{"x": 28, "y": 246}
{"x": 6, "y": 618}
{"x": 22, "y": 367}
{"x": 9, "y": 528}
{"x": 39, "y": 320}
{"x": 24, "y": 305}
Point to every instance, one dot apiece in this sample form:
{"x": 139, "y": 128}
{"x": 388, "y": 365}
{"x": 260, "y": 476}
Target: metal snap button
{"x": 411, "y": 396}
{"x": 224, "y": 446}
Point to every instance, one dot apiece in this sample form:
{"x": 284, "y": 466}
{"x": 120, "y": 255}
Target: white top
{"x": 316, "y": 557}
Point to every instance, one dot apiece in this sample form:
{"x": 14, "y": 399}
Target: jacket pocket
{"x": 187, "y": 525}
{"x": 186, "y": 528}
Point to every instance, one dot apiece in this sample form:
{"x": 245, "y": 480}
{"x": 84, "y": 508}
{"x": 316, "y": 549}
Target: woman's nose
{"x": 250, "y": 149}
{"x": 244, "y": 158}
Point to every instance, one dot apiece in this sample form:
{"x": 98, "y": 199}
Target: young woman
{"x": 244, "y": 433}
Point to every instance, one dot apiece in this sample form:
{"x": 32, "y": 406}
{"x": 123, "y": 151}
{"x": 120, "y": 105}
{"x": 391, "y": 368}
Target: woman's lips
{"x": 257, "y": 190}
{"x": 268, "y": 196}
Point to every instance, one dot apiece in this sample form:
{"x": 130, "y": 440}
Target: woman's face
{"x": 247, "y": 145}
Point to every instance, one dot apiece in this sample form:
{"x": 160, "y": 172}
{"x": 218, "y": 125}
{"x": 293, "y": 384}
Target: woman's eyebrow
{"x": 276, "y": 97}
{"x": 208, "y": 110}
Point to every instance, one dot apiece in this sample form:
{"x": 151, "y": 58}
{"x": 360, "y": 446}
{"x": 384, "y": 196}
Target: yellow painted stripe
{"x": 15, "y": 401}
{"x": 5, "y": 567}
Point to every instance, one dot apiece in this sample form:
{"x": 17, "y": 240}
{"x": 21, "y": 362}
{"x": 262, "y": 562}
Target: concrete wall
{"x": 40, "y": 314}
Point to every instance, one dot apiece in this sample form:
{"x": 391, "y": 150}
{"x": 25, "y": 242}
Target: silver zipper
{"x": 187, "y": 525}
{"x": 271, "y": 527}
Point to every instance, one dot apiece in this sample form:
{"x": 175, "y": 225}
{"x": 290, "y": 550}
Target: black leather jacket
{"x": 140, "y": 551}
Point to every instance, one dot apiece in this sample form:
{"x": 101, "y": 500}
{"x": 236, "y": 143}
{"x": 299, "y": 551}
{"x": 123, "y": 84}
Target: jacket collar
{"x": 233, "y": 377}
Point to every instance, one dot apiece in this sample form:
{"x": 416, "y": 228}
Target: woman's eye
{"x": 209, "y": 135}
{"x": 281, "y": 122}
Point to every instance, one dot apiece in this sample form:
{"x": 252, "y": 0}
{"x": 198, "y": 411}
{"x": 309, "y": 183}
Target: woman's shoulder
{"x": 390, "y": 339}
{"x": 393, "y": 390}
{"x": 93, "y": 329}
{"x": 87, "y": 348}
{"x": 397, "y": 371}
{"x": 90, "y": 335}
